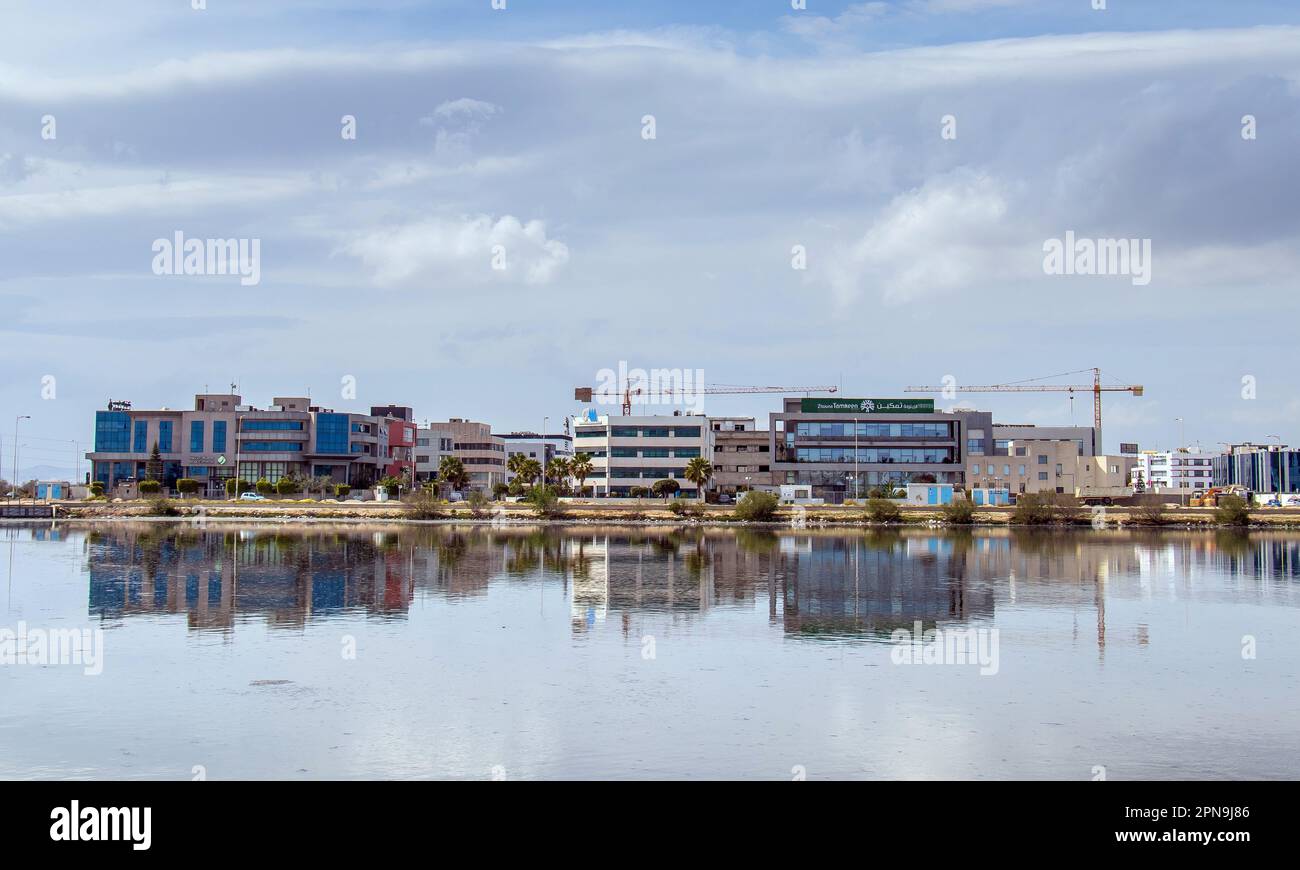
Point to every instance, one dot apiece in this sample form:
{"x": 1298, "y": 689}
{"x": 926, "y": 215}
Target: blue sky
{"x": 775, "y": 127}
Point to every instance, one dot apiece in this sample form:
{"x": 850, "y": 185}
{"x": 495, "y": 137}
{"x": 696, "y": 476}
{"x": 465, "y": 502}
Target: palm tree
{"x": 580, "y": 467}
{"x": 452, "y": 472}
{"x": 529, "y": 470}
{"x": 558, "y": 470}
{"x": 698, "y": 472}
{"x": 515, "y": 464}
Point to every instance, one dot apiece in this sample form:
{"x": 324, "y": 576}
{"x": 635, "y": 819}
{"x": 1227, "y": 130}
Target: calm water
{"x": 257, "y": 652}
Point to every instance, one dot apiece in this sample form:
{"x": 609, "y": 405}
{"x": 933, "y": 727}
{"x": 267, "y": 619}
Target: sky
{"x": 857, "y": 194}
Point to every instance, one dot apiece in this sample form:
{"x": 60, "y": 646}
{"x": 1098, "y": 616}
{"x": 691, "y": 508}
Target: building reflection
{"x": 842, "y": 583}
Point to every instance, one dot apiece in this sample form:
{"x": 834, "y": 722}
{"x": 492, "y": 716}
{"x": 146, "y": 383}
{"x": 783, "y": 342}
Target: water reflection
{"x": 847, "y": 585}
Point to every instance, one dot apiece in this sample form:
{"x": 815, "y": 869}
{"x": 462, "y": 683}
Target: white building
{"x": 1183, "y": 469}
{"x": 634, "y": 451}
{"x": 535, "y": 446}
{"x": 430, "y": 446}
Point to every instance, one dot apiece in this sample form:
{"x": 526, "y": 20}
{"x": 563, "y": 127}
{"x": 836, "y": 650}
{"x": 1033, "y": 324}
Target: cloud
{"x": 461, "y": 250}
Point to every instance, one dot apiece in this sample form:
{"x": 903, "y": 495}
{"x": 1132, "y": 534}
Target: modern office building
{"x": 742, "y": 455}
{"x": 629, "y": 452}
{"x": 1261, "y": 468}
{"x": 536, "y": 446}
{"x": 845, "y": 447}
{"x": 1183, "y": 469}
{"x": 482, "y": 453}
{"x": 222, "y": 435}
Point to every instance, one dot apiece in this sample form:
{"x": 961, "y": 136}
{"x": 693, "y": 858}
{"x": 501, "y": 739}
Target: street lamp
{"x": 856, "y": 488}
{"x": 1182, "y": 435}
{"x": 14, "y": 483}
{"x": 546, "y": 421}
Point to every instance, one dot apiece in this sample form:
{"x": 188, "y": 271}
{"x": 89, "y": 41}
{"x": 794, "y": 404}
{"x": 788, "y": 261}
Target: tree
{"x": 580, "y": 467}
{"x": 515, "y": 464}
{"x": 757, "y": 506}
{"x": 153, "y": 469}
{"x": 499, "y": 490}
{"x": 638, "y": 491}
{"x": 286, "y": 485}
{"x": 390, "y": 485}
{"x": 1232, "y": 511}
{"x": 698, "y": 472}
{"x": 557, "y": 472}
{"x": 451, "y": 471}
{"x": 544, "y": 501}
{"x": 96, "y": 488}
{"x": 341, "y": 490}
{"x": 265, "y": 487}
{"x": 529, "y": 471}
{"x": 149, "y": 487}
{"x": 665, "y": 488}
{"x": 235, "y": 487}
{"x": 187, "y": 486}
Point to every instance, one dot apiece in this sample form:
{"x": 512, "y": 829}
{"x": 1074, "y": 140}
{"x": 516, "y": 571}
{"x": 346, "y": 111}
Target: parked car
{"x": 1272, "y": 502}
{"x": 251, "y": 496}
{"x": 1293, "y": 501}
{"x": 724, "y": 499}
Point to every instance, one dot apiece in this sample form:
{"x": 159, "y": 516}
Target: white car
{"x": 251, "y": 496}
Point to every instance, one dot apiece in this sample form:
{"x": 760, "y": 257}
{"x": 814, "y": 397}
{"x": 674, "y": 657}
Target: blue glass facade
{"x": 331, "y": 433}
{"x": 141, "y": 437}
{"x": 271, "y": 447}
{"x": 218, "y": 436}
{"x": 112, "y": 432}
{"x": 273, "y": 425}
{"x": 165, "y": 436}
{"x": 196, "y": 436}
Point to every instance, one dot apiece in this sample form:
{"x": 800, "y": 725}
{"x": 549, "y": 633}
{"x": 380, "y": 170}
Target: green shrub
{"x": 1232, "y": 511}
{"x": 341, "y": 490}
{"x": 187, "y": 486}
{"x": 390, "y": 485}
{"x": 287, "y": 486}
{"x": 545, "y": 502}
{"x": 638, "y": 492}
{"x": 882, "y": 510}
{"x": 424, "y": 505}
{"x": 162, "y": 507}
{"x": 1149, "y": 514}
{"x": 499, "y": 490}
{"x": 265, "y": 487}
{"x": 478, "y": 503}
{"x": 97, "y": 488}
{"x": 757, "y": 506}
{"x": 959, "y": 512}
{"x": 149, "y": 487}
{"x": 682, "y": 508}
{"x": 1045, "y": 508}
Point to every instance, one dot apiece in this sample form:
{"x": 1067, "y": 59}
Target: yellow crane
{"x": 1025, "y": 387}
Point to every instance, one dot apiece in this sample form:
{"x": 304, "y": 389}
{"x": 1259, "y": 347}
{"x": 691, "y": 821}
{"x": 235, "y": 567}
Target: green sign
{"x": 867, "y": 406}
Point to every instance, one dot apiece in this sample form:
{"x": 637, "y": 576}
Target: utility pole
{"x": 15, "y": 483}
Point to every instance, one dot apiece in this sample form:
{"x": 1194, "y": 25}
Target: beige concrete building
{"x": 482, "y": 453}
{"x": 1048, "y": 466}
{"x": 742, "y": 455}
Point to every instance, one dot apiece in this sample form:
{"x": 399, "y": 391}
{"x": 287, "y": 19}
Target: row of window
{"x": 641, "y": 432}
{"x": 655, "y": 473}
{"x": 655, "y": 452}
{"x": 875, "y": 454}
{"x": 874, "y": 430}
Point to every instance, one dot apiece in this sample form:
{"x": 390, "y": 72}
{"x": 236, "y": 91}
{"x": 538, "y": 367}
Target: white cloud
{"x": 460, "y": 250}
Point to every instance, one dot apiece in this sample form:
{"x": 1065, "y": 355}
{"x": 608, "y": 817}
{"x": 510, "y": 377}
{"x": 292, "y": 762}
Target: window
{"x": 196, "y": 436}
{"x": 1059, "y": 468}
{"x": 1022, "y": 451}
{"x": 623, "y": 432}
{"x": 590, "y": 433}
{"x": 112, "y": 431}
{"x": 421, "y": 442}
{"x": 331, "y": 433}
{"x": 1020, "y": 469}
{"x": 218, "y": 436}
{"x": 141, "y": 436}
{"x": 686, "y": 432}
{"x": 197, "y": 472}
{"x": 271, "y": 446}
{"x": 688, "y": 452}
{"x": 974, "y": 469}
{"x": 1042, "y": 460}
{"x": 975, "y": 446}
{"x": 272, "y": 426}
{"x": 164, "y": 436}
{"x": 1006, "y": 470}
{"x": 1042, "y": 475}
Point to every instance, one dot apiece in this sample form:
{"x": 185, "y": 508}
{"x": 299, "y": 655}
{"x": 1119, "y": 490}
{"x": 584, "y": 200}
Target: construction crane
{"x": 584, "y": 394}
{"x": 1024, "y": 387}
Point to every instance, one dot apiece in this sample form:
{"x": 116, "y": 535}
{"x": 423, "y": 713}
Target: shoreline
{"x": 1109, "y": 518}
